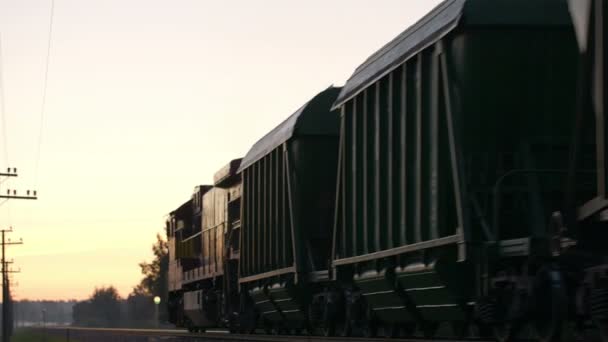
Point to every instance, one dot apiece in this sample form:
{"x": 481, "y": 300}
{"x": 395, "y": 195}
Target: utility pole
{"x": 7, "y": 321}
{"x": 12, "y": 309}
{"x": 29, "y": 194}
{"x": 6, "y": 295}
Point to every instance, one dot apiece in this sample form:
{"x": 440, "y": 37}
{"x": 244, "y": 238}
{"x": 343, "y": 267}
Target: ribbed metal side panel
{"x": 395, "y": 175}
{"x": 266, "y": 228}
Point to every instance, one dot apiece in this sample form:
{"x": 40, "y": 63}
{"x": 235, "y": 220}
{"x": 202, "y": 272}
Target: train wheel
{"x": 483, "y": 330}
{"x": 550, "y": 305}
{"x": 507, "y": 331}
{"x": 430, "y": 329}
{"x": 602, "y": 325}
{"x": 401, "y": 329}
{"x": 332, "y": 315}
{"x": 329, "y": 329}
{"x": 370, "y": 329}
{"x": 346, "y": 331}
{"x": 349, "y": 319}
{"x": 460, "y": 329}
{"x": 599, "y": 311}
{"x": 268, "y": 328}
{"x": 504, "y": 332}
{"x": 498, "y": 314}
{"x": 190, "y": 326}
{"x": 409, "y": 329}
{"x": 393, "y": 330}
{"x": 370, "y": 326}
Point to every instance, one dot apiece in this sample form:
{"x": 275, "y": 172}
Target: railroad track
{"x": 75, "y": 334}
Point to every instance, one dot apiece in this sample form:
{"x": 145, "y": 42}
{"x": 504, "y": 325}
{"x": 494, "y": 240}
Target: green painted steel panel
{"x": 382, "y": 297}
{"x": 289, "y": 193}
{"x": 287, "y": 299}
{"x": 311, "y": 119}
{"x": 465, "y": 113}
{"x": 420, "y": 193}
{"x": 431, "y": 296}
{"x": 450, "y": 15}
{"x": 442, "y": 313}
{"x": 264, "y": 304}
{"x": 531, "y": 133}
{"x": 439, "y": 289}
{"x": 393, "y": 314}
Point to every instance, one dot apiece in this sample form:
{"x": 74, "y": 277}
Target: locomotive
{"x": 455, "y": 186}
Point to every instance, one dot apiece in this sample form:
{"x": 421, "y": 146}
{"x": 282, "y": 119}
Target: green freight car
{"x": 287, "y": 216}
{"x": 454, "y": 155}
{"x": 456, "y": 188}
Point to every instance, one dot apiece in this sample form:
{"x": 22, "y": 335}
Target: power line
{"x": 44, "y": 91}
{"x": 4, "y": 121}
{"x": 2, "y": 106}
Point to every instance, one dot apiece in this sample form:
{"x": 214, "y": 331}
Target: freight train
{"x": 455, "y": 186}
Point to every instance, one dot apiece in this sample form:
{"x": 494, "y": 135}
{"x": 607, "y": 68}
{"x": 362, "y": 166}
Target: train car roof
{"x": 580, "y": 11}
{"x": 311, "y": 119}
{"x": 444, "y": 18}
{"x": 225, "y": 176}
{"x": 182, "y": 208}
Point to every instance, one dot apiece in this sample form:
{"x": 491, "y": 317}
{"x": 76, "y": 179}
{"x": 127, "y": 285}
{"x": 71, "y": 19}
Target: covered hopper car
{"x": 455, "y": 152}
{"x": 277, "y": 240}
{"x": 455, "y": 186}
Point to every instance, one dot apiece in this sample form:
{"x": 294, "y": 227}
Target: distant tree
{"x": 140, "y": 311}
{"x": 155, "y": 272}
{"x": 107, "y": 302}
{"x": 83, "y": 315}
{"x": 154, "y": 283}
{"x": 102, "y": 309}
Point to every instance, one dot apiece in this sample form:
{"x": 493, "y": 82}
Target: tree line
{"x": 37, "y": 312}
{"x": 105, "y": 307}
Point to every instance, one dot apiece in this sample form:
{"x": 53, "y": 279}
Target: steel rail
{"x": 184, "y": 335}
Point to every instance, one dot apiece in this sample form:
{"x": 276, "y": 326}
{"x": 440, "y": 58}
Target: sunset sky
{"x": 145, "y": 100}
